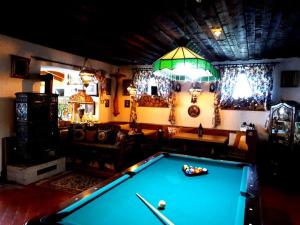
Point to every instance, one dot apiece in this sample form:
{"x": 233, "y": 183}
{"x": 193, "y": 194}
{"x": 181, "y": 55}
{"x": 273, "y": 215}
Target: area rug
{"x": 71, "y": 182}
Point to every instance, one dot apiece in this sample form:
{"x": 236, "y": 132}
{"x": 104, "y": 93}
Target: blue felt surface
{"x": 208, "y": 199}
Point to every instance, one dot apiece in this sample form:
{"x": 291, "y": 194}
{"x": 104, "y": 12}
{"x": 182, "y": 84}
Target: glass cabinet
{"x": 283, "y": 118}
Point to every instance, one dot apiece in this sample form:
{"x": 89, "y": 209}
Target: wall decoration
{"x": 19, "y": 67}
{"x": 194, "y": 111}
{"x": 108, "y": 86}
{"x": 212, "y": 87}
{"x": 92, "y": 89}
{"x": 126, "y": 103}
{"x": 90, "y": 108}
{"x": 60, "y": 92}
{"x": 152, "y": 101}
{"x": 141, "y": 78}
{"x": 297, "y": 133}
{"x": 73, "y": 79}
{"x": 107, "y": 103}
{"x": 172, "y": 105}
{"x": 125, "y": 85}
{"x": 176, "y": 86}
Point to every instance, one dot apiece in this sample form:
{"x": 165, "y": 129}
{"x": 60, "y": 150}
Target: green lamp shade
{"x": 183, "y": 64}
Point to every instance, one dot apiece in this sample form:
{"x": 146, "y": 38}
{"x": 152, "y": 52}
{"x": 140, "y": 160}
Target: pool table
{"x": 226, "y": 195}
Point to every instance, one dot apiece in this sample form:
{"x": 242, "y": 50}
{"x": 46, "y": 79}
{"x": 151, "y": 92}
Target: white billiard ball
{"x": 161, "y": 204}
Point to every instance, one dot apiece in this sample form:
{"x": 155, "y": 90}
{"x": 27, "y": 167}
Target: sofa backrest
{"x": 105, "y": 133}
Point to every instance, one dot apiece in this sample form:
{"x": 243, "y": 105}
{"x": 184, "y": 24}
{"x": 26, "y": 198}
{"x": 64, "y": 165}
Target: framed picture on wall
{"x": 92, "y": 89}
{"x": 106, "y": 103}
{"x": 60, "y": 91}
{"x": 19, "y": 67}
{"x": 126, "y": 83}
{"x": 108, "y": 86}
{"x": 127, "y": 103}
{"x": 90, "y": 108}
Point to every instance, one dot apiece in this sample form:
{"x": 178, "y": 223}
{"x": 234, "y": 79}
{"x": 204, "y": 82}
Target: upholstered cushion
{"x": 125, "y": 126}
{"x": 78, "y": 134}
{"x": 231, "y": 140}
{"x": 102, "y": 136}
{"x": 90, "y": 135}
{"x": 242, "y": 145}
{"x": 120, "y": 138}
{"x": 237, "y": 138}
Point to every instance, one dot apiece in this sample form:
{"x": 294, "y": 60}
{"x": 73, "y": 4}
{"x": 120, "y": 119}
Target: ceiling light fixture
{"x": 87, "y": 74}
{"x": 217, "y": 32}
{"x": 182, "y": 64}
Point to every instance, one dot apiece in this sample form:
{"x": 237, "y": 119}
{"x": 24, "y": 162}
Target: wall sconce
{"x": 132, "y": 90}
{"x": 195, "y": 91}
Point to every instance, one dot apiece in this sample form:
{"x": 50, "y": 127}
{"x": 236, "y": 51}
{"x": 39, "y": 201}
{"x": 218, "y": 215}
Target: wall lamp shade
{"x": 195, "y": 91}
{"x": 182, "y": 64}
{"x": 81, "y": 98}
{"x": 132, "y": 90}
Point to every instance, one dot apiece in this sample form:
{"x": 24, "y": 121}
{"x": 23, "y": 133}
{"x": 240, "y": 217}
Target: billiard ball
{"x": 185, "y": 167}
{"x": 161, "y": 204}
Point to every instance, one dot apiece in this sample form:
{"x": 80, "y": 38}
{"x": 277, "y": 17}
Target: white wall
{"x": 9, "y": 86}
{"x": 288, "y": 93}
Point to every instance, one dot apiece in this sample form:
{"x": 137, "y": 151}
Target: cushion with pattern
{"x": 78, "y": 134}
{"x": 120, "y": 138}
{"x": 90, "y": 135}
{"x": 102, "y": 136}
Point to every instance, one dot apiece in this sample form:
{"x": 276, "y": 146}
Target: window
{"x": 242, "y": 87}
{"x": 246, "y": 87}
{"x": 152, "y": 91}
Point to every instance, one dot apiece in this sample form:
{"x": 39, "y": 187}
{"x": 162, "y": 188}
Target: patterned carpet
{"x": 71, "y": 182}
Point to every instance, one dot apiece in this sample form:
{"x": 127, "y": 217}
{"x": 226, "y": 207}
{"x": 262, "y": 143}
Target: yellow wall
{"x": 9, "y": 86}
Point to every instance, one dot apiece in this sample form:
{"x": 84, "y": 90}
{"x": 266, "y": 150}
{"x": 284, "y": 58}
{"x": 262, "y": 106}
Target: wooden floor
{"x": 280, "y": 206}
{"x": 20, "y": 203}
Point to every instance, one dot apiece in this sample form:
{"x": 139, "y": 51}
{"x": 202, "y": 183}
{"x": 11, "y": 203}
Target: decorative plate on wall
{"x": 194, "y": 111}
{"x": 212, "y": 87}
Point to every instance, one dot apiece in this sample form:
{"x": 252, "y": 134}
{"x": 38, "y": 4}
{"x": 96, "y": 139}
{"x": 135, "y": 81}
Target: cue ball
{"x": 161, "y": 204}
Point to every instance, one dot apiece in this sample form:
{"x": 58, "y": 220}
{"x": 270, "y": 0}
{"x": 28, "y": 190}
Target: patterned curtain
{"x": 141, "y": 77}
{"x": 258, "y": 78}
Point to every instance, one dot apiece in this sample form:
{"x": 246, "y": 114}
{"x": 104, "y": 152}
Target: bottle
{"x": 200, "y": 130}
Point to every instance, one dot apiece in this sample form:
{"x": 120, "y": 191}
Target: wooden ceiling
{"x": 139, "y": 32}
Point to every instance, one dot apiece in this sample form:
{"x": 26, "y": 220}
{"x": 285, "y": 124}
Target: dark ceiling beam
{"x": 207, "y": 19}
{"x": 187, "y": 31}
{"x": 138, "y": 53}
{"x": 139, "y": 47}
{"x": 249, "y": 17}
{"x": 226, "y": 22}
{"x": 230, "y": 16}
{"x": 165, "y": 41}
{"x": 273, "y": 29}
{"x": 146, "y": 41}
{"x": 205, "y": 35}
{"x": 266, "y": 16}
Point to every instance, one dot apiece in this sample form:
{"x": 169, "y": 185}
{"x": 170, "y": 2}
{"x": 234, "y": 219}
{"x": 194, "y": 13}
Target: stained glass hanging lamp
{"x": 182, "y": 64}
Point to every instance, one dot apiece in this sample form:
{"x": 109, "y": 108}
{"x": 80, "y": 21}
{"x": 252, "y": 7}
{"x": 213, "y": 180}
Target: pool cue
{"x": 158, "y": 213}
